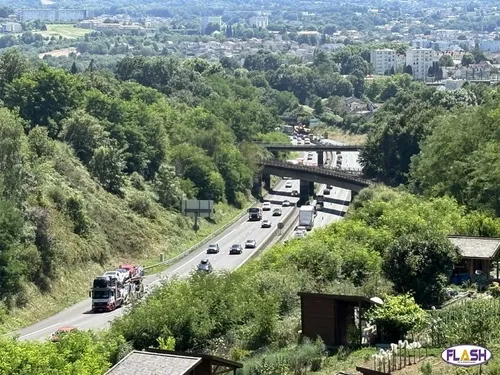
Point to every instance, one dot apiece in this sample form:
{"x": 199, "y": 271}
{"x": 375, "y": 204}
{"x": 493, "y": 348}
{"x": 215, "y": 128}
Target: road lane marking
{"x": 40, "y": 330}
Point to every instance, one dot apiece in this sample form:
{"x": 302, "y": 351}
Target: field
{"x": 66, "y": 31}
{"x": 341, "y": 136}
{"x": 58, "y": 52}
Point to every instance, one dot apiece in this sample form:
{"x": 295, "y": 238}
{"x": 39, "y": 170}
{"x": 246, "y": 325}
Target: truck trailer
{"x": 306, "y": 216}
{"x": 108, "y": 294}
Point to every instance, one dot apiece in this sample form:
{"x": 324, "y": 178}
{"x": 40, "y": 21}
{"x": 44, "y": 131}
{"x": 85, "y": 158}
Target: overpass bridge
{"x": 316, "y": 147}
{"x": 308, "y": 175}
{"x": 323, "y": 147}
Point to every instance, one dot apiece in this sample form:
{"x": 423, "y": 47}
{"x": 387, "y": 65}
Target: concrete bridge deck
{"x": 312, "y": 147}
{"x": 350, "y": 180}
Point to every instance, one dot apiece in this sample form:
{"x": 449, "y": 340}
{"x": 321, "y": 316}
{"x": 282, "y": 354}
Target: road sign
{"x": 197, "y": 208}
{"x": 281, "y": 225}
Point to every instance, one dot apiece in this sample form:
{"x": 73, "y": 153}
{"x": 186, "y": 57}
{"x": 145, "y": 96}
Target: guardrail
{"x": 206, "y": 239}
{"x": 318, "y": 170}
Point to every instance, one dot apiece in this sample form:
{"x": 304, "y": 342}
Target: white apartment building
{"x": 420, "y": 60}
{"x": 489, "y": 45}
{"x": 383, "y": 60}
{"x": 259, "y": 21}
{"x": 11, "y": 27}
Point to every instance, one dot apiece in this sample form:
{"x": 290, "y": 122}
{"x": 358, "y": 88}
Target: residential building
{"x": 489, "y": 45}
{"x": 52, "y": 15}
{"x": 421, "y": 43}
{"x": 259, "y": 21}
{"x": 383, "y": 60}
{"x": 207, "y": 20}
{"x": 11, "y": 27}
{"x": 420, "y": 60}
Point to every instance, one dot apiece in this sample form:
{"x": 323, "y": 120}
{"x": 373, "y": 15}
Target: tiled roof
{"x": 476, "y": 247}
{"x": 146, "y": 363}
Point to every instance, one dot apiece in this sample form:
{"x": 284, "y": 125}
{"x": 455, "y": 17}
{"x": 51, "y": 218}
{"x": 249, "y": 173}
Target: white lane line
{"x": 40, "y": 330}
{"x": 227, "y": 235}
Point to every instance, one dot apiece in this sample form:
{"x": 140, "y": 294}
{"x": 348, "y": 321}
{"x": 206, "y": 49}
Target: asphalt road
{"x": 79, "y": 315}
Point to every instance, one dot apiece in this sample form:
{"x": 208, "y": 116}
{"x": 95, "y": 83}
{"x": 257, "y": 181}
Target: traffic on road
{"x": 227, "y": 251}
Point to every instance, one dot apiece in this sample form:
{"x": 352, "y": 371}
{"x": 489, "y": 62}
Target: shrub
{"x": 141, "y": 203}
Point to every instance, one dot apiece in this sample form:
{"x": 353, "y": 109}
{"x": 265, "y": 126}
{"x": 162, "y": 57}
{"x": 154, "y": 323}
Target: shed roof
{"x": 147, "y": 363}
{"x": 476, "y": 247}
{"x": 337, "y": 297}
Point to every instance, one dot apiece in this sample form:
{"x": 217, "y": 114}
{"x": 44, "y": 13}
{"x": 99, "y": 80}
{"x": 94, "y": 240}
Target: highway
{"x": 79, "y": 315}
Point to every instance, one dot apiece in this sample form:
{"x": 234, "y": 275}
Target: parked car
{"x": 205, "y": 266}
{"x": 277, "y": 212}
{"x": 266, "y": 224}
{"x": 213, "y": 249}
{"x": 251, "y": 244}
{"x": 266, "y": 206}
{"x": 236, "y": 249}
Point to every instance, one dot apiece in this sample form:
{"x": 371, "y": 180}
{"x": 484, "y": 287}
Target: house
{"x": 478, "y": 253}
{"x": 334, "y": 318}
{"x": 166, "y": 362}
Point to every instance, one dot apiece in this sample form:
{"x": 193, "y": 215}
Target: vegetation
{"x": 257, "y": 306}
{"x": 93, "y": 169}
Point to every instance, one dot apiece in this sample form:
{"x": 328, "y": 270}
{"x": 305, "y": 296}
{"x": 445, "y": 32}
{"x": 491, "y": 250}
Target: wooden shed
{"x": 166, "y": 362}
{"x": 334, "y": 318}
{"x": 478, "y": 253}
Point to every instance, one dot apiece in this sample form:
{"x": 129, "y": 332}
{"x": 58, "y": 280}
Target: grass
{"x": 66, "y": 31}
{"x": 117, "y": 235}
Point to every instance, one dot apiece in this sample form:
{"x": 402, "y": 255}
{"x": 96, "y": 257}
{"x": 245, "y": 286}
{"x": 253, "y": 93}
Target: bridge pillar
{"x": 266, "y": 179}
{"x": 257, "y": 187}
{"x": 304, "y": 193}
{"x": 320, "y": 158}
{"x": 354, "y": 194}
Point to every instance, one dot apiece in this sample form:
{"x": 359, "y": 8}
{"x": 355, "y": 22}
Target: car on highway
{"x": 338, "y": 152}
{"x": 213, "y": 249}
{"x": 295, "y": 193}
{"x": 236, "y": 249}
{"x": 309, "y": 157}
{"x": 250, "y": 244}
{"x": 329, "y": 187}
{"x": 205, "y": 266}
{"x": 266, "y": 224}
{"x": 56, "y": 336}
{"x": 277, "y": 212}
{"x": 266, "y": 206}
{"x": 286, "y": 203}
{"x": 326, "y": 192}
{"x": 288, "y": 185}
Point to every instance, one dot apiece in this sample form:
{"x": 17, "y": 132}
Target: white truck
{"x": 306, "y": 217}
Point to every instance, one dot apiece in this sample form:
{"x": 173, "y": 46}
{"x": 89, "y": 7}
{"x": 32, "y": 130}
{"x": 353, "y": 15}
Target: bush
{"x": 142, "y": 203}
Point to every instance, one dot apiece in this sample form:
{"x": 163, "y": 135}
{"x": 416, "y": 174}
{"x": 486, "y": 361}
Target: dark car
{"x": 251, "y": 244}
{"x": 329, "y": 187}
{"x": 236, "y": 249}
{"x": 326, "y": 192}
{"x": 213, "y": 249}
{"x": 205, "y": 266}
{"x": 295, "y": 193}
